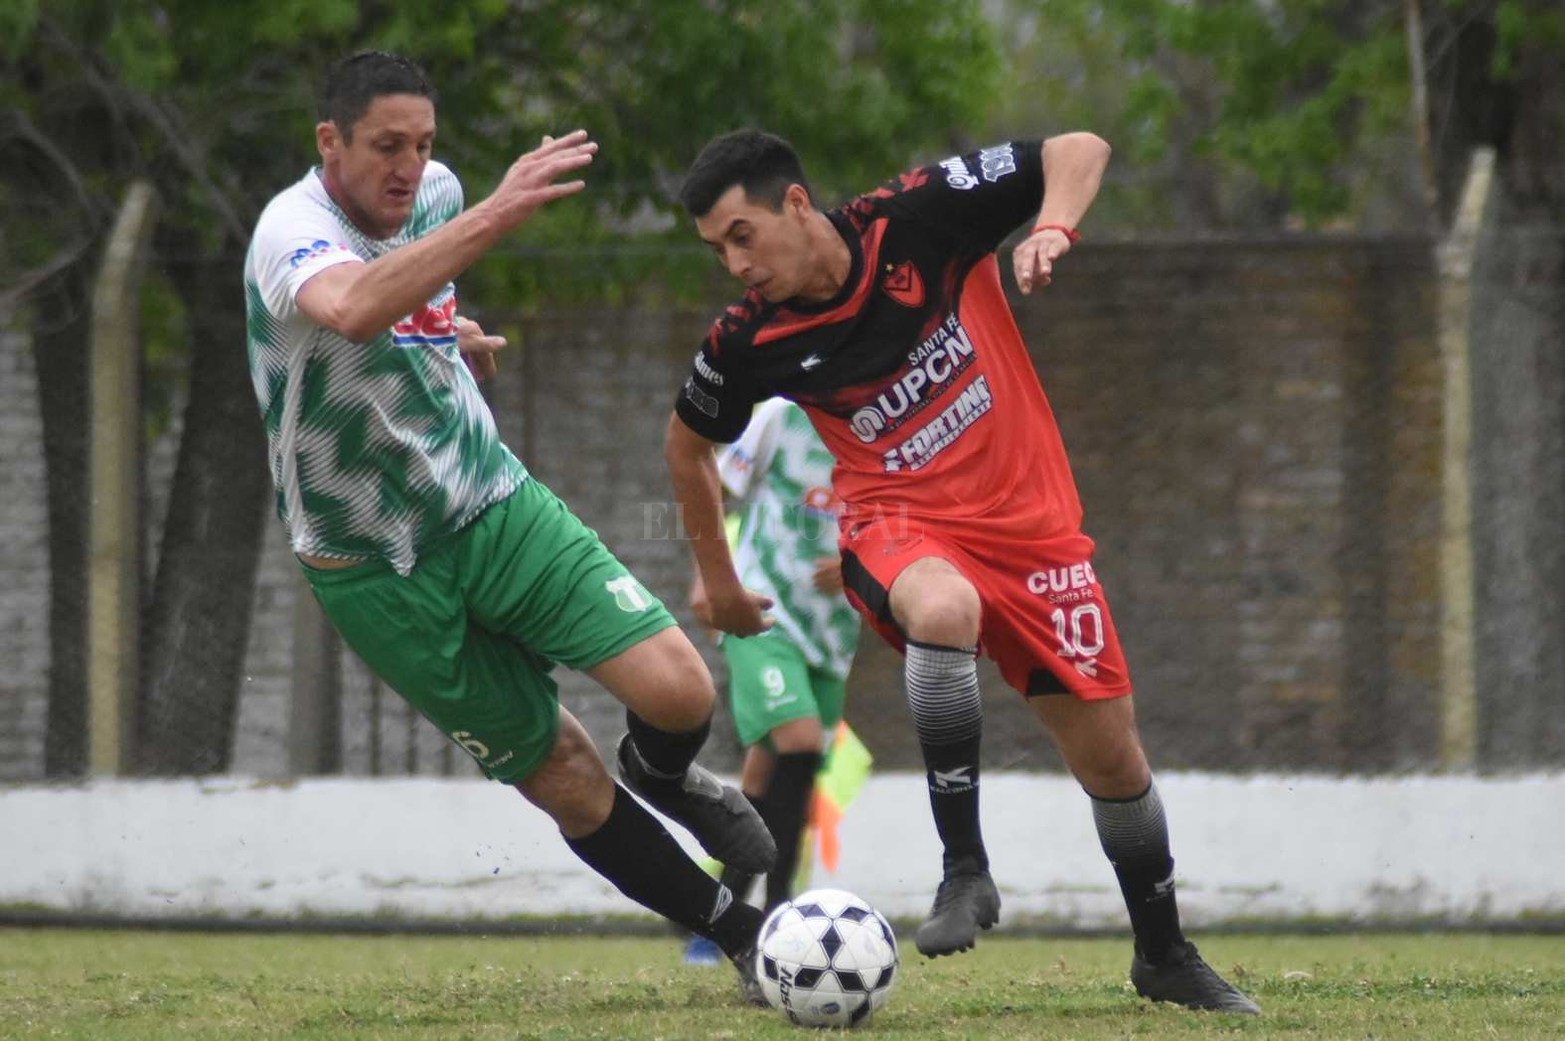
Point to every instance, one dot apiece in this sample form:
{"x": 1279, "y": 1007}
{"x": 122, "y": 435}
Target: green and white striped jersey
{"x": 782, "y": 472}
{"x": 376, "y": 448}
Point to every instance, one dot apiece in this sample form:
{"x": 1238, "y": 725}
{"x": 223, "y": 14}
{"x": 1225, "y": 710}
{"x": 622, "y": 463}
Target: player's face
{"x": 374, "y": 176}
{"x": 768, "y": 250}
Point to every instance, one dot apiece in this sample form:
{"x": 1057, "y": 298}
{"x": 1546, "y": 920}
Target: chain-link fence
{"x": 1257, "y": 428}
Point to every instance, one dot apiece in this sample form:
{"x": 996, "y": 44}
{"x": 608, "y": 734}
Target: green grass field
{"x": 107, "y": 985}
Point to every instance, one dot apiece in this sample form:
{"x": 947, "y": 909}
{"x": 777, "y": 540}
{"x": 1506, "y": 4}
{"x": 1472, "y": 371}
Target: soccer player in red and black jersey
{"x": 961, "y": 528}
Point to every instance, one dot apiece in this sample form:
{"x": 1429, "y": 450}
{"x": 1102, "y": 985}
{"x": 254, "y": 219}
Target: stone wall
{"x": 24, "y": 563}
{"x": 1255, "y": 428}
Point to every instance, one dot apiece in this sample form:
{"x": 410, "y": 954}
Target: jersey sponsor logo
{"x": 708, "y": 373}
{"x": 920, "y": 450}
{"x": 318, "y": 248}
{"x": 958, "y": 175}
{"x": 433, "y": 325}
{"x": 705, "y": 403}
{"x": 937, "y": 360}
{"x": 904, "y": 284}
{"x": 993, "y": 164}
{"x": 740, "y": 460}
{"x": 997, "y": 162}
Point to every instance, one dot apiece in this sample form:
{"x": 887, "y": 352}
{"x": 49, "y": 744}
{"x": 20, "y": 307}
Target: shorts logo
{"x": 1062, "y": 584}
{"x": 470, "y": 744}
{"x": 480, "y": 751}
{"x": 628, "y": 594}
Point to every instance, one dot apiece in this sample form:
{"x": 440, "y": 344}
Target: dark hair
{"x": 763, "y": 164}
{"x": 356, "y": 81}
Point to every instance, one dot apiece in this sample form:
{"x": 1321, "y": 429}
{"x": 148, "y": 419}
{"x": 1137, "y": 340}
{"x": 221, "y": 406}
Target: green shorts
{"x": 470, "y": 637}
{"x": 770, "y": 683}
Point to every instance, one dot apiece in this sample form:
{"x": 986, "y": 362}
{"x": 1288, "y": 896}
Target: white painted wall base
{"x": 1264, "y": 849}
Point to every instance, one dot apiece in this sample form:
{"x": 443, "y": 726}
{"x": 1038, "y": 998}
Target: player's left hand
{"x": 828, "y": 575}
{"x": 1034, "y": 257}
{"x": 478, "y": 350}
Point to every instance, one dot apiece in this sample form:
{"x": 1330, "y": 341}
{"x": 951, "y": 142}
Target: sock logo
{"x": 958, "y": 780}
{"x": 725, "y": 899}
{"x": 1163, "y": 889}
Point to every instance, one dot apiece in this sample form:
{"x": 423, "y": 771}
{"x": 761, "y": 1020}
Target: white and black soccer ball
{"x": 826, "y": 959}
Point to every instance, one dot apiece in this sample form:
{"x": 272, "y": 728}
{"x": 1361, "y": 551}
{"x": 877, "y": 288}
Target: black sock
{"x": 1134, "y": 836}
{"x": 784, "y": 808}
{"x": 942, "y": 691}
{"x": 736, "y": 880}
{"x": 638, "y": 855}
{"x": 665, "y": 754}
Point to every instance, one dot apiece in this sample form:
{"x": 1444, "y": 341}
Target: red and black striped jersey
{"x": 914, "y": 374}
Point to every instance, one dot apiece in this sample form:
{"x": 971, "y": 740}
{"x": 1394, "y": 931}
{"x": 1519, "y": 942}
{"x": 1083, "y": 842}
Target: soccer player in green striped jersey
{"x": 458, "y": 578}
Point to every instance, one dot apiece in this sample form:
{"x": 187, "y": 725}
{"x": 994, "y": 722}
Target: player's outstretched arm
{"x": 1073, "y": 166}
{"x": 361, "y": 301}
{"x": 698, "y": 496}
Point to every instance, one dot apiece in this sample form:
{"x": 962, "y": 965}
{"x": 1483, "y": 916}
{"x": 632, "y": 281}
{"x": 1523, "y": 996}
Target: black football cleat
{"x": 1184, "y": 978}
{"x": 966, "y": 901}
{"x": 718, "y": 815}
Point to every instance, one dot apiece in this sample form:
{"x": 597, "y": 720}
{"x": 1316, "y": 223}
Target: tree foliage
{"x": 1303, "y": 110}
{"x": 213, "y": 104}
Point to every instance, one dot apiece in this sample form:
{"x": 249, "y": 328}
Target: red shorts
{"x": 1045, "y": 621}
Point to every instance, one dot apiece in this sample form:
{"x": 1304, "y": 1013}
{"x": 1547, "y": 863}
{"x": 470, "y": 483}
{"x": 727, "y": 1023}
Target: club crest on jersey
{"x": 904, "y": 284}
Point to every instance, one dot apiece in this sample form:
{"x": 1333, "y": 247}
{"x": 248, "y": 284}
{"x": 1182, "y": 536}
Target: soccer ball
{"x": 826, "y": 959}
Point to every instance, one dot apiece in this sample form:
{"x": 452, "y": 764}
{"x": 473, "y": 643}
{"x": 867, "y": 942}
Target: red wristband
{"x": 1070, "y": 233}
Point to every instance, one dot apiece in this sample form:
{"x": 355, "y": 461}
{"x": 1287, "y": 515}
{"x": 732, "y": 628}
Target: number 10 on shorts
{"x": 1079, "y": 630}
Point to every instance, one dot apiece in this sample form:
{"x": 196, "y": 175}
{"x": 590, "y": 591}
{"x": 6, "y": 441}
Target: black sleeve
{"x": 715, "y": 401}
{"x": 976, "y": 200}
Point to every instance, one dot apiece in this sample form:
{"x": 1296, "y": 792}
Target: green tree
{"x": 212, "y": 103}
{"x": 1266, "y": 114}
{"x": 1298, "y": 111}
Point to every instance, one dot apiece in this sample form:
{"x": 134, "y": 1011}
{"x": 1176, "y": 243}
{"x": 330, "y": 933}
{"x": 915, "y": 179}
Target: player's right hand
{"x": 531, "y": 180}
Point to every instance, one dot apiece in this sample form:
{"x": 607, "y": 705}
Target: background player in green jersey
{"x": 786, "y": 685}
{"x": 456, "y": 577}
